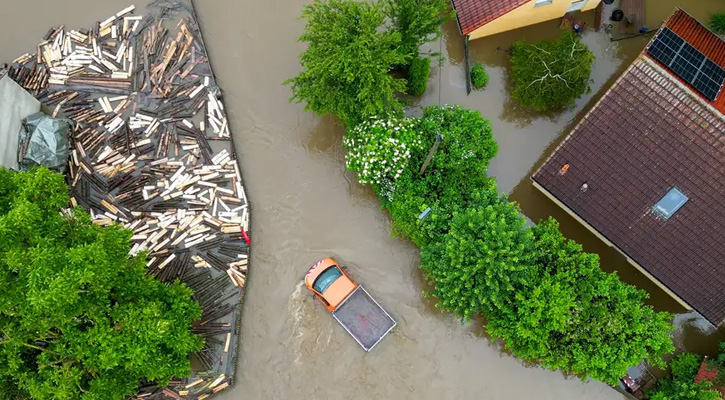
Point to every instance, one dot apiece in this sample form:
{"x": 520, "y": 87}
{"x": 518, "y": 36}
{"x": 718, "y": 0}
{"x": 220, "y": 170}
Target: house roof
{"x": 709, "y": 375}
{"x": 650, "y": 133}
{"x": 473, "y": 14}
{"x": 701, "y": 38}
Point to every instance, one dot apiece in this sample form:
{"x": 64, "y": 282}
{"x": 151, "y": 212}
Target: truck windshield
{"x": 326, "y": 278}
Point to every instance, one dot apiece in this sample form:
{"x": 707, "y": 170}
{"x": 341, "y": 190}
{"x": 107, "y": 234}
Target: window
{"x": 542, "y": 3}
{"x": 326, "y": 278}
{"x": 673, "y": 200}
{"x": 576, "y": 5}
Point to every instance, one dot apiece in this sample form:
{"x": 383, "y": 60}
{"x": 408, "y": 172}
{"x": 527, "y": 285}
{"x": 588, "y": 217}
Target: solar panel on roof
{"x": 688, "y": 63}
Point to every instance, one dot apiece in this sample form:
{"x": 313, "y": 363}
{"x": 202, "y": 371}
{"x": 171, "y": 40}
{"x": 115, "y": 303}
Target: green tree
{"x": 681, "y": 383}
{"x": 685, "y": 366}
{"x": 418, "y": 21}
{"x": 482, "y": 260}
{"x": 577, "y": 318}
{"x": 550, "y": 74}
{"x": 457, "y": 169}
{"x": 345, "y": 69}
{"x": 79, "y": 318}
{"x": 679, "y": 390}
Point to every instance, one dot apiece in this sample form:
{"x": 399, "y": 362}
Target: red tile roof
{"x": 701, "y": 38}
{"x": 708, "y": 375}
{"x": 473, "y": 14}
{"x": 649, "y": 133}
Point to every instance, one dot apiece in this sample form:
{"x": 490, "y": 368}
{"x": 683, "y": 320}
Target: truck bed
{"x": 363, "y": 318}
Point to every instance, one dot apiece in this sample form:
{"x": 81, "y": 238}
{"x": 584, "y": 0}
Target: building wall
{"x": 528, "y": 14}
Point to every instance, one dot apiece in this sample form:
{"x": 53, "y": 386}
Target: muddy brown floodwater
{"x": 307, "y": 207}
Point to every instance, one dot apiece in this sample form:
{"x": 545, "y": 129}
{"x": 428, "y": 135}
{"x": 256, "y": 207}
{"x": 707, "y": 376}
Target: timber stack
{"x": 152, "y": 150}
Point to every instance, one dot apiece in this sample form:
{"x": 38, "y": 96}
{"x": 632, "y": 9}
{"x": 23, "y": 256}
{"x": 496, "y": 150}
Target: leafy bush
{"x": 679, "y": 390}
{"x": 380, "y": 151}
{"x": 482, "y": 260}
{"x": 573, "y": 316}
{"x": 418, "y": 21}
{"x": 717, "y": 23}
{"x": 685, "y": 366}
{"x": 479, "y": 76}
{"x": 454, "y": 173}
{"x": 79, "y": 319}
{"x": 345, "y": 69}
{"x": 681, "y": 384}
{"x": 418, "y": 76}
{"x": 550, "y": 74}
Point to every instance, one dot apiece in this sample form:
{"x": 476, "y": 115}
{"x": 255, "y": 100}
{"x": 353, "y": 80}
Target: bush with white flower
{"x": 379, "y": 150}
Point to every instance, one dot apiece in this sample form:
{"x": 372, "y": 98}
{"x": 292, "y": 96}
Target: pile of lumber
{"x": 152, "y": 150}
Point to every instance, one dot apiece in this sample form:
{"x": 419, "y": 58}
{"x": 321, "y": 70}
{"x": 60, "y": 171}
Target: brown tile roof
{"x": 473, "y": 14}
{"x": 701, "y": 38}
{"x": 649, "y": 133}
{"x": 709, "y": 375}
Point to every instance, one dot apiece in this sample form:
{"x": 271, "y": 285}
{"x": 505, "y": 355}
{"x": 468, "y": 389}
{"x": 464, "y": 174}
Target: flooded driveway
{"x": 307, "y": 207}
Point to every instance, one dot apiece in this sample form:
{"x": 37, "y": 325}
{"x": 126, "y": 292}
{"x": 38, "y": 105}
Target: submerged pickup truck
{"x": 350, "y": 304}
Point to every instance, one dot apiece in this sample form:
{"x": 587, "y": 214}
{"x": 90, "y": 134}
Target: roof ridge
{"x": 707, "y": 28}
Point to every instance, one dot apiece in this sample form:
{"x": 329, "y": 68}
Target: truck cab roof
{"x": 329, "y": 282}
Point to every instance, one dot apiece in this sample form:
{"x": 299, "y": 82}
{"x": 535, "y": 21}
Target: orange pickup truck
{"x": 350, "y": 304}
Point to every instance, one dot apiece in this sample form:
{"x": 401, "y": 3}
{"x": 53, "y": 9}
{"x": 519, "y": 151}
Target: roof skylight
{"x": 668, "y": 205}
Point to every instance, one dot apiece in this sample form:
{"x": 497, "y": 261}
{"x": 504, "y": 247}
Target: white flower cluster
{"x": 386, "y": 189}
{"x": 379, "y": 150}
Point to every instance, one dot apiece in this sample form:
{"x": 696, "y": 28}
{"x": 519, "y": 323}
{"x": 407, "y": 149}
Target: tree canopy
{"x": 482, "y": 260}
{"x": 550, "y": 74}
{"x": 573, "y": 316}
{"x": 79, "y": 318}
{"x": 418, "y": 21}
{"x": 345, "y": 68}
{"x": 681, "y": 382}
{"x": 458, "y": 168}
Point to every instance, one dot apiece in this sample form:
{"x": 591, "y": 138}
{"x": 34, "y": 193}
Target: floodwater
{"x": 306, "y": 207}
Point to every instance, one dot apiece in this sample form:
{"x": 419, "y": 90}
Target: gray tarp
{"x": 44, "y": 141}
{"x": 15, "y": 105}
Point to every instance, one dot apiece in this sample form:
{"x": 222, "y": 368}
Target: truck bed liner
{"x": 364, "y": 319}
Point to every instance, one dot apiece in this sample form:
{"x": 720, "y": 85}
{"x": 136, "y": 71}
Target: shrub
{"x": 479, "y": 76}
{"x": 380, "y": 150}
{"x": 457, "y": 170}
{"x": 717, "y": 23}
{"x": 573, "y": 316}
{"x": 685, "y": 366}
{"x": 79, "y": 318}
{"x": 418, "y": 76}
{"x": 482, "y": 260}
{"x": 681, "y": 385}
{"x": 550, "y": 74}
{"x": 345, "y": 69}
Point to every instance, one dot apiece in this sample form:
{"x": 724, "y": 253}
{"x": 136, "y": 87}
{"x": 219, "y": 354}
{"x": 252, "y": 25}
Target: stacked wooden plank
{"x": 151, "y": 150}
